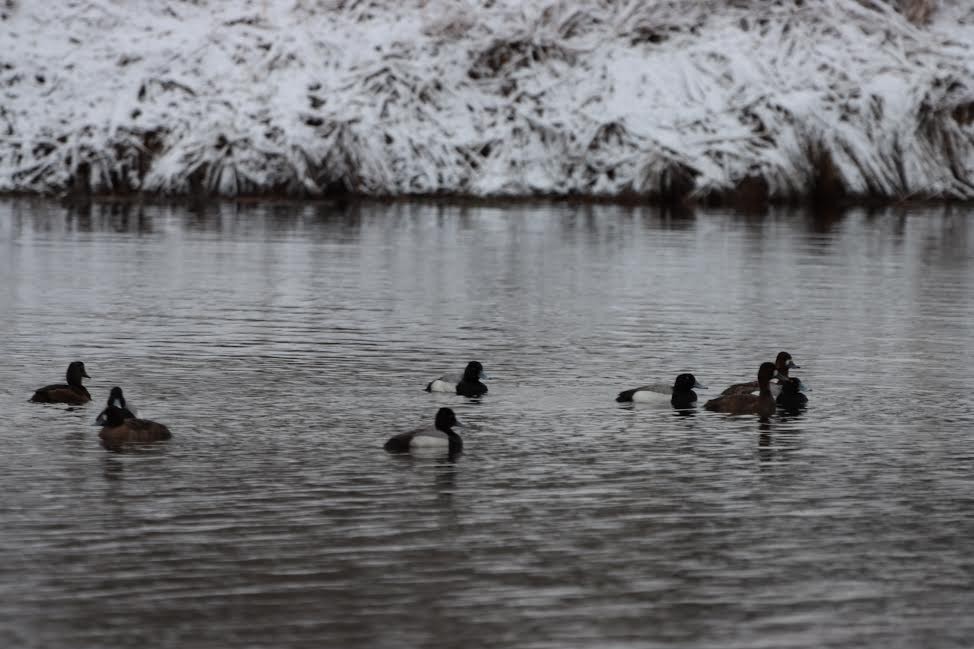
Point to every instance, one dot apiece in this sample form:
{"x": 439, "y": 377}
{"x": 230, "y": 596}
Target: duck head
{"x": 76, "y": 371}
{"x": 115, "y": 397}
{"x": 446, "y": 419}
{"x": 474, "y": 372}
{"x": 766, "y": 372}
{"x": 783, "y": 363}
{"x": 686, "y": 382}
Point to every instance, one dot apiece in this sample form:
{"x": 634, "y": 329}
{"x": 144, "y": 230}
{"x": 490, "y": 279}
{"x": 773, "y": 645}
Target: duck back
{"x": 74, "y": 395}
{"x": 133, "y": 431}
{"x": 741, "y": 388}
{"x": 762, "y": 405}
{"x": 656, "y": 393}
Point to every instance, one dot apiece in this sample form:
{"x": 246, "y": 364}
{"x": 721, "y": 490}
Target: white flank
{"x": 648, "y": 396}
{"x": 443, "y": 386}
{"x": 429, "y": 440}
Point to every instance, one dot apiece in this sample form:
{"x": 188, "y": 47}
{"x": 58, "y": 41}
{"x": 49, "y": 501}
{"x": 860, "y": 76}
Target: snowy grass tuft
{"x": 662, "y": 99}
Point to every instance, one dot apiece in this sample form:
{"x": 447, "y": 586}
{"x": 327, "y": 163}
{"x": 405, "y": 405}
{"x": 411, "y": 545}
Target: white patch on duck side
{"x": 439, "y": 385}
{"x": 651, "y": 396}
{"x": 430, "y": 439}
{"x": 775, "y": 390}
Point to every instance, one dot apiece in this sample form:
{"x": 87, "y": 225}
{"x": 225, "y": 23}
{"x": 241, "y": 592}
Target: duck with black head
{"x": 117, "y": 399}
{"x": 438, "y": 437}
{"x": 467, "y": 385}
{"x": 761, "y": 404}
{"x": 119, "y": 430}
{"x": 782, "y": 363}
{"x": 73, "y": 393}
{"x": 680, "y": 395}
{"x": 792, "y": 398}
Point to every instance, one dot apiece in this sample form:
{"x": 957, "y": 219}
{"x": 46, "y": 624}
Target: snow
{"x": 486, "y": 97}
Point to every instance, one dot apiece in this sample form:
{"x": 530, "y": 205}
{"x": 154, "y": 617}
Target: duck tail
{"x": 625, "y": 396}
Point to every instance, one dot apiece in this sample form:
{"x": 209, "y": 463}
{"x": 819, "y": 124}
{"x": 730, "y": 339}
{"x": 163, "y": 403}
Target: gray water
{"x": 284, "y": 344}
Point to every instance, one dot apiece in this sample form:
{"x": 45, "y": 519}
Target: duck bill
{"x": 793, "y": 366}
{"x": 699, "y": 386}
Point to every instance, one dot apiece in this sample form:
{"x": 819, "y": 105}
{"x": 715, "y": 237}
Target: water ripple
{"x": 284, "y": 346}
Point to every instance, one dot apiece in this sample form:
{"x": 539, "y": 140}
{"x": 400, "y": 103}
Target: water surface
{"x": 283, "y": 344}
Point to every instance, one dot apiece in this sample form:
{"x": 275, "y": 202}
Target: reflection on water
{"x": 283, "y": 344}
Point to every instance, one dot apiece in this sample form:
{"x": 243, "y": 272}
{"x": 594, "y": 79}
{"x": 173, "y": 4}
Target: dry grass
{"x": 665, "y": 100}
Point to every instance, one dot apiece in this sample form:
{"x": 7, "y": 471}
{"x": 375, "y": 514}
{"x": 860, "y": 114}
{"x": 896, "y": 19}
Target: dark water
{"x": 283, "y": 345}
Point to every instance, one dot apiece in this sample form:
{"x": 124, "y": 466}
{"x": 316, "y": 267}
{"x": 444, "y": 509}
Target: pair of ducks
{"x": 119, "y": 424}
{"x": 441, "y": 434}
{"x": 751, "y": 398}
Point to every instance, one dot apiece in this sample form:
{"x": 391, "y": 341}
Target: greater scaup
{"x": 680, "y": 394}
{"x": 468, "y": 385}
{"x": 73, "y": 393}
{"x": 791, "y": 397}
{"x": 761, "y": 404}
{"x": 438, "y": 436}
{"x": 118, "y": 430}
{"x": 782, "y": 363}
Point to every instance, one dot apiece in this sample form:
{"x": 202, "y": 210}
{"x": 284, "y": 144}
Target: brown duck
{"x": 782, "y": 363}
{"x": 120, "y": 430}
{"x": 761, "y": 404}
{"x": 73, "y": 393}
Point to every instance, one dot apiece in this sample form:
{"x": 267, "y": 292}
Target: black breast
{"x": 471, "y": 388}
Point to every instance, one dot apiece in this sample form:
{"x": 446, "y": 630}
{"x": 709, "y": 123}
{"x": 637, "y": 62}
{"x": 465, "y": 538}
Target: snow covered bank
{"x": 487, "y": 97}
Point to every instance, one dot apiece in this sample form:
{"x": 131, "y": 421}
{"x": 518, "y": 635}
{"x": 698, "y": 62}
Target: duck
{"x": 782, "y": 363}
{"x": 791, "y": 397}
{"x": 468, "y": 385}
{"x": 762, "y": 404}
{"x": 117, "y": 399}
{"x": 73, "y": 393}
{"x": 438, "y": 436}
{"x": 680, "y": 394}
{"x": 119, "y": 430}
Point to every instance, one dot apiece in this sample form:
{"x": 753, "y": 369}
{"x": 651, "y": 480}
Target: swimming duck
{"x": 117, "y": 399}
{"x": 468, "y": 385}
{"x": 791, "y": 397}
{"x": 120, "y": 430}
{"x": 762, "y": 404}
{"x": 680, "y": 394}
{"x": 73, "y": 393}
{"x": 782, "y": 364}
{"x": 438, "y": 436}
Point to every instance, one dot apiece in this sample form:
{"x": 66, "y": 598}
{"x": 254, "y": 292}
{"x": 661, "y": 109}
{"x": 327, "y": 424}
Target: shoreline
{"x": 730, "y": 202}
{"x": 829, "y": 102}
